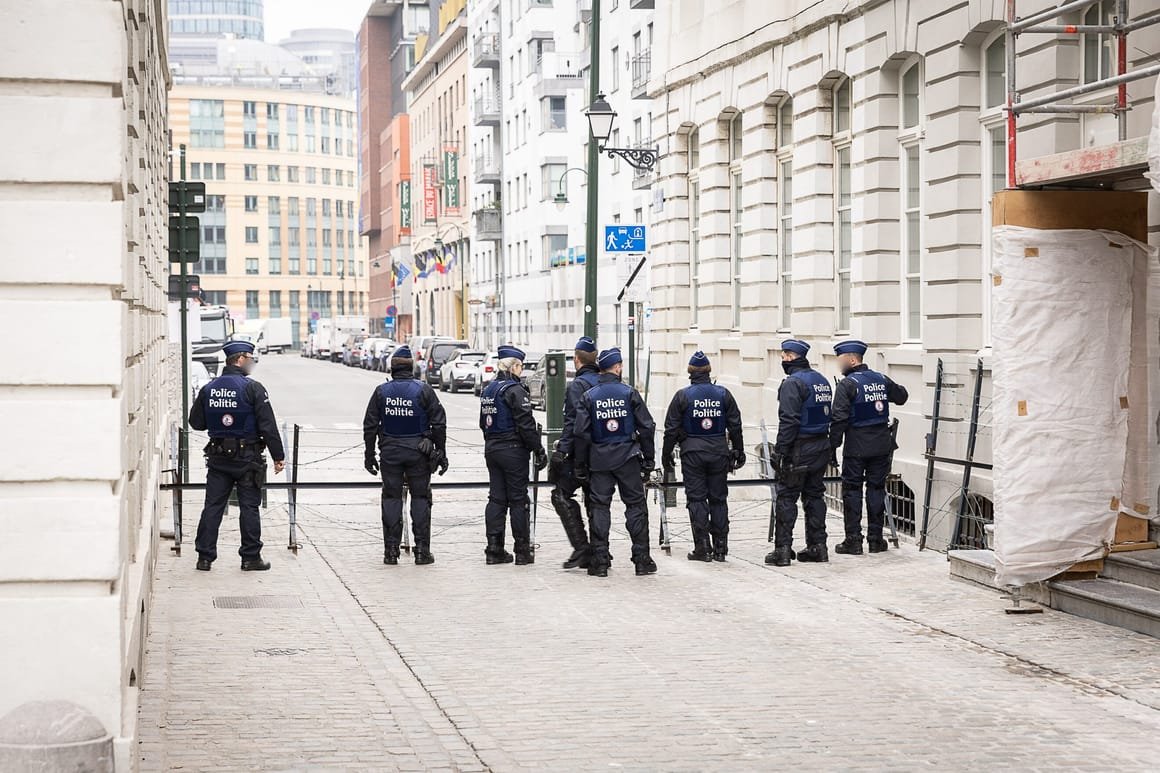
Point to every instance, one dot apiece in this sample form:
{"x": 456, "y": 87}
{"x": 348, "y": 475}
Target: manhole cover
{"x": 257, "y": 602}
{"x": 281, "y": 651}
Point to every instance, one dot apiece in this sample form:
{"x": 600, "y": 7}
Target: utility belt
{"x": 234, "y": 448}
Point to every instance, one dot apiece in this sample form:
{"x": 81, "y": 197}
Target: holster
{"x": 258, "y": 472}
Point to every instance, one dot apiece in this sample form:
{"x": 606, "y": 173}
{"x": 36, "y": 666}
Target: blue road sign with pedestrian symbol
{"x": 625, "y": 238}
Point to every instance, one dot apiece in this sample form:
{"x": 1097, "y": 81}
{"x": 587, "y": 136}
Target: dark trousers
{"x": 603, "y": 484}
{"x": 220, "y": 478}
{"x": 871, "y": 470}
{"x": 507, "y": 475}
{"x": 706, "y": 493}
{"x": 811, "y": 488}
{"x": 399, "y": 464}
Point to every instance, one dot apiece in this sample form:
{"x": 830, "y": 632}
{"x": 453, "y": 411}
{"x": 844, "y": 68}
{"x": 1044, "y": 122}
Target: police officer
{"x": 801, "y": 453}
{"x": 614, "y": 448}
{"x": 699, "y": 417}
{"x": 510, "y": 436}
{"x": 562, "y": 470}
{"x": 407, "y": 419}
{"x": 862, "y": 419}
{"x": 236, "y": 411}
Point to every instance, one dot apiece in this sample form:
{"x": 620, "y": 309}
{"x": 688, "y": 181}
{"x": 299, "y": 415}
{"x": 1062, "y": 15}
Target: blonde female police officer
{"x": 704, "y": 420}
{"x": 861, "y": 420}
{"x": 510, "y": 436}
{"x": 236, "y": 412}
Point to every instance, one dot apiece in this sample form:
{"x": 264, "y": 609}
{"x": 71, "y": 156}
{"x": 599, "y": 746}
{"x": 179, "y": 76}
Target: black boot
{"x": 391, "y": 555}
{"x": 255, "y": 564}
{"x": 876, "y": 545}
{"x": 702, "y": 551}
{"x": 569, "y": 511}
{"x": 204, "y": 564}
{"x": 780, "y": 557}
{"x": 524, "y": 554}
{"x": 422, "y": 553}
{"x": 851, "y": 546}
{"x": 817, "y": 554}
{"x": 645, "y": 565}
{"x": 598, "y": 564}
{"x": 495, "y": 552}
{"x": 720, "y": 548}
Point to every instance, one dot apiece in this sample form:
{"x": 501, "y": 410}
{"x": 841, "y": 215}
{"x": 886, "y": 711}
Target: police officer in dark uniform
{"x": 407, "y": 419}
{"x": 699, "y": 417}
{"x": 562, "y": 469}
{"x": 614, "y": 448}
{"x": 236, "y": 411}
{"x": 862, "y": 419}
{"x": 800, "y": 454}
{"x": 510, "y": 436}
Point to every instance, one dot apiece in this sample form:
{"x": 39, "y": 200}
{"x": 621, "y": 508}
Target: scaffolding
{"x": 1058, "y": 102}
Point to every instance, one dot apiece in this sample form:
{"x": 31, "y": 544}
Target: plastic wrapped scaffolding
{"x": 1062, "y": 332}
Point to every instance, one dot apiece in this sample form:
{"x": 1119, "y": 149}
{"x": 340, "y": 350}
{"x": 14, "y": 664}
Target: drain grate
{"x": 257, "y": 602}
{"x": 282, "y": 651}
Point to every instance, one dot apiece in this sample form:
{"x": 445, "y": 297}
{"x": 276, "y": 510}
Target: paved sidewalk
{"x": 867, "y": 663}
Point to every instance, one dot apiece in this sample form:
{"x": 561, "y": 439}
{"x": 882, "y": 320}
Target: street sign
{"x": 392, "y": 311}
{"x": 192, "y": 195}
{"x": 192, "y": 285}
{"x": 624, "y": 238}
{"x": 184, "y": 240}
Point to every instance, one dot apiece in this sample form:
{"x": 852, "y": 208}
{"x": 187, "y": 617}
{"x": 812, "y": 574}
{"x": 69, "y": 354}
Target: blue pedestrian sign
{"x": 625, "y": 238}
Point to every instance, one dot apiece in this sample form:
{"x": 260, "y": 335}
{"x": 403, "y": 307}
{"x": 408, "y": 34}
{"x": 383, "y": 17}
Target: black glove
{"x": 441, "y": 463}
{"x": 738, "y": 456}
{"x": 646, "y": 469}
{"x": 371, "y": 464}
{"x": 540, "y": 458}
{"x": 558, "y": 458}
{"x": 834, "y": 457}
{"x": 427, "y": 448}
{"x": 668, "y": 462}
{"x": 580, "y": 472}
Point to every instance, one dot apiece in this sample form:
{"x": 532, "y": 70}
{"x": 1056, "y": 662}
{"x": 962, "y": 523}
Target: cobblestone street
{"x": 865, "y": 663}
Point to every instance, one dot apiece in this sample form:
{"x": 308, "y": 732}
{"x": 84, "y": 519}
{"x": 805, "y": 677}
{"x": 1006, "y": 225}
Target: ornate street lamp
{"x": 601, "y": 117}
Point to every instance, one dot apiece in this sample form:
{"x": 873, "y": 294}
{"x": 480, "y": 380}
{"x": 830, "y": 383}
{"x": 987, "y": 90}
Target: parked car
{"x": 420, "y": 347}
{"x": 536, "y": 380}
{"x": 459, "y": 370}
{"x": 365, "y": 352}
{"x": 485, "y": 373}
{"x": 380, "y": 353}
{"x": 439, "y": 353}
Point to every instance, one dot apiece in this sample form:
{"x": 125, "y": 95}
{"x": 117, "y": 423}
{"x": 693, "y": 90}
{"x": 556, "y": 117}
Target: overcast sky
{"x": 285, "y": 15}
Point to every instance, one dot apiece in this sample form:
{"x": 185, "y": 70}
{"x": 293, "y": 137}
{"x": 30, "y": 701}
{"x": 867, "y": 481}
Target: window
{"x": 249, "y": 109}
{"x": 272, "y": 110}
{"x": 252, "y": 304}
{"x": 251, "y": 203}
{"x": 910, "y": 140}
{"x": 221, "y": 171}
{"x": 325, "y": 145}
{"x": 1098, "y": 47}
{"x": 251, "y": 265}
{"x": 326, "y": 176}
{"x": 785, "y": 208}
{"x": 251, "y": 172}
{"x": 250, "y": 139}
{"x": 550, "y": 175}
{"x": 251, "y": 234}
{"x": 994, "y": 139}
{"x": 275, "y": 299}
{"x": 292, "y": 206}
{"x": 311, "y": 175}
{"x": 735, "y": 210}
{"x": 291, "y": 174}
{"x": 555, "y": 250}
{"x": 843, "y": 223}
{"x": 293, "y": 236}
{"x": 195, "y": 171}
{"x": 338, "y": 177}
{"x": 995, "y": 72}
{"x": 273, "y": 205}
{"x": 271, "y": 141}
{"x": 615, "y": 68}
{"x": 207, "y": 123}
{"x": 275, "y": 266}
{"x": 272, "y": 173}
{"x": 555, "y": 117}
{"x": 275, "y": 236}
{"x": 694, "y": 156}
{"x": 326, "y": 207}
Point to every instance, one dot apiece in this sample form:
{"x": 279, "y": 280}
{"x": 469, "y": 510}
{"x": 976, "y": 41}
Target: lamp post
{"x": 601, "y": 117}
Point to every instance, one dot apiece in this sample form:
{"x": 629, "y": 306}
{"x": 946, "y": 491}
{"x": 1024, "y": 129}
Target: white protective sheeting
{"x": 1062, "y": 311}
{"x": 1153, "y": 172}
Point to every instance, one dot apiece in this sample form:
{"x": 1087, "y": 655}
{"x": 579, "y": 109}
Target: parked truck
{"x": 217, "y": 329}
{"x": 267, "y": 335}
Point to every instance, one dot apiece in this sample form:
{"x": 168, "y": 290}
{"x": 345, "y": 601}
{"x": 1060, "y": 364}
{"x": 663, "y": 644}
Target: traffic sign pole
{"x": 183, "y": 446}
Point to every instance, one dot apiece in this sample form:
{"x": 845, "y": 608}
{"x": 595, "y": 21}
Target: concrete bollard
{"x": 53, "y": 737}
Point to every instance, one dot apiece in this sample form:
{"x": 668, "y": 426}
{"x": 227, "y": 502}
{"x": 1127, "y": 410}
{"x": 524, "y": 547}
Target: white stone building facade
{"x": 83, "y": 234}
{"x": 827, "y": 171}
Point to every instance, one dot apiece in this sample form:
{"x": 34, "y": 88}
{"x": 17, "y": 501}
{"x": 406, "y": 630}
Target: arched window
{"x": 735, "y": 210}
{"x": 1097, "y": 47}
{"x": 910, "y": 158}
{"x": 694, "y": 163}
{"x": 785, "y": 207}
{"x": 843, "y": 222}
{"x": 993, "y": 77}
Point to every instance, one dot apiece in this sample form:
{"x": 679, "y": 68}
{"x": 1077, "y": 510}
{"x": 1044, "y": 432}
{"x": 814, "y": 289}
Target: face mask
{"x": 787, "y": 366}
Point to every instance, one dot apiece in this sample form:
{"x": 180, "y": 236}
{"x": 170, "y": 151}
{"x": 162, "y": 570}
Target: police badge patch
{"x": 612, "y": 425}
{"x": 706, "y": 424}
{"x": 227, "y": 420}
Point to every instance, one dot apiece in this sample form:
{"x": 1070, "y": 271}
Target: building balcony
{"x": 641, "y": 68}
{"x": 556, "y": 73}
{"x": 643, "y": 5}
{"x": 585, "y": 8}
{"x": 488, "y": 170}
{"x": 485, "y": 51}
{"x": 489, "y": 225}
{"x": 488, "y": 110}
{"x": 642, "y": 179}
